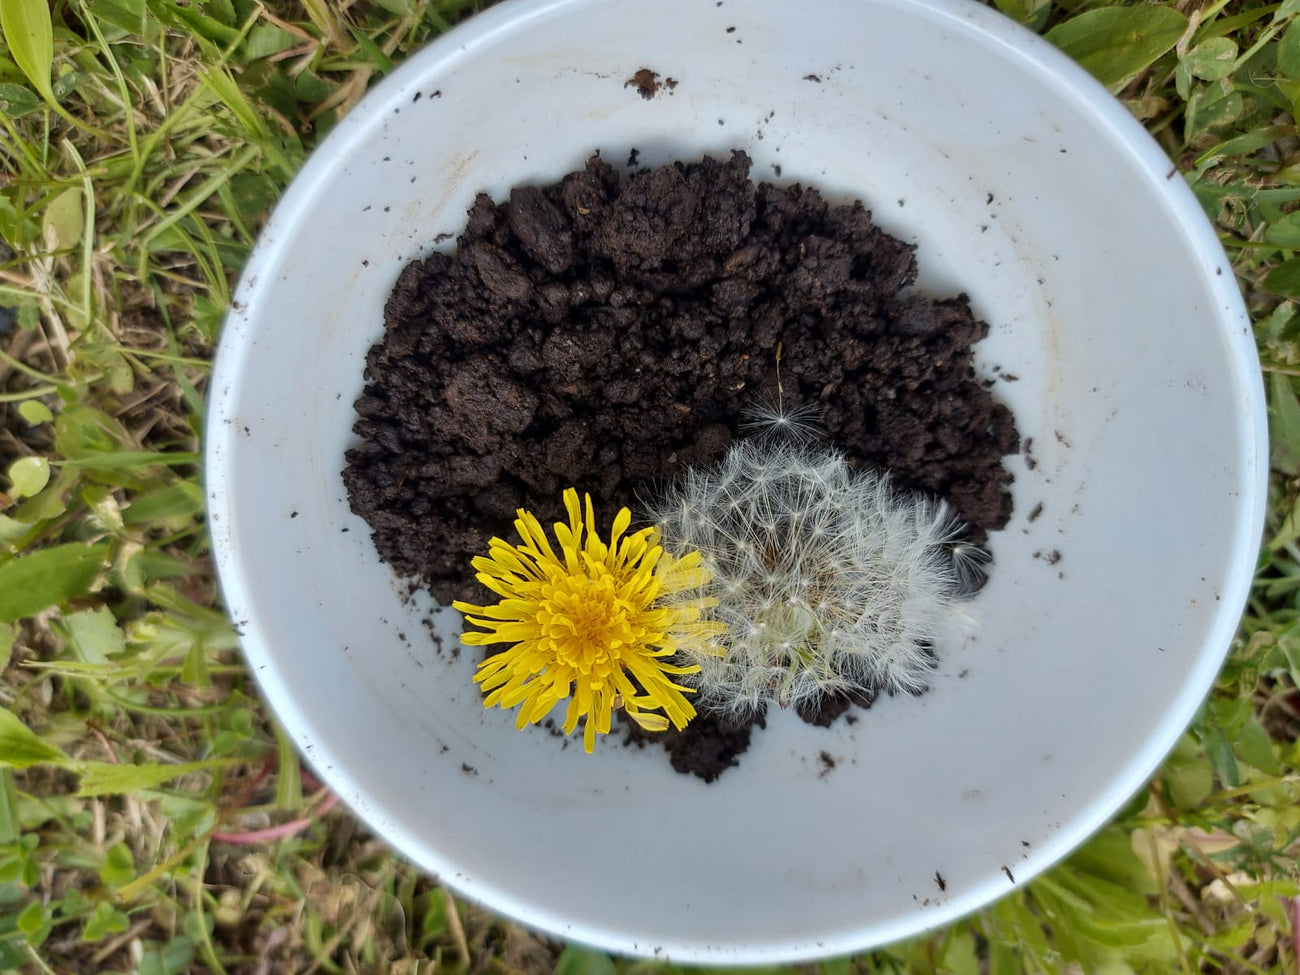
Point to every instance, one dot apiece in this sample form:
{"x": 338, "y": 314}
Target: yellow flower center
{"x": 585, "y": 623}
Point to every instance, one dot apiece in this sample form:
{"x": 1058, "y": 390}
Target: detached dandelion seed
{"x": 597, "y": 624}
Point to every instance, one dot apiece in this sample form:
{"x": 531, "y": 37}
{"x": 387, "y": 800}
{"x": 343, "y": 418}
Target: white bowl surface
{"x": 1026, "y": 186}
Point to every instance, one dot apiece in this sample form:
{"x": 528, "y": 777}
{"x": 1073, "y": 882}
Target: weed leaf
{"x": 584, "y": 961}
{"x": 1031, "y": 13}
{"x": 20, "y": 747}
{"x": 1284, "y": 279}
{"x": 104, "y": 920}
{"x": 29, "y": 33}
{"x": 17, "y": 100}
{"x": 1285, "y": 429}
{"x": 28, "y": 476}
{"x": 64, "y": 221}
{"x": 1288, "y": 52}
{"x": 95, "y": 634}
{"x": 172, "y": 958}
{"x": 1115, "y": 43}
{"x": 1188, "y": 774}
{"x": 30, "y": 583}
{"x": 1284, "y": 232}
{"x": 34, "y": 412}
{"x": 1212, "y": 60}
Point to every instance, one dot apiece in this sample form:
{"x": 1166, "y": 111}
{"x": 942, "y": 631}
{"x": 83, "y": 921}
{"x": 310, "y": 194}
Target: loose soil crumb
{"x": 824, "y": 712}
{"x": 706, "y": 747}
{"x": 828, "y": 764}
{"x": 646, "y": 83}
{"x": 606, "y": 334}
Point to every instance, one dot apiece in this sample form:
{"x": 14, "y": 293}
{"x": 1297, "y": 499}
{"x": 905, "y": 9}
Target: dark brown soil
{"x": 605, "y": 334}
{"x": 708, "y": 746}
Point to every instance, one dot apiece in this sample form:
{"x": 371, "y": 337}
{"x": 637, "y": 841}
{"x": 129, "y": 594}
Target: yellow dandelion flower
{"x": 596, "y": 624}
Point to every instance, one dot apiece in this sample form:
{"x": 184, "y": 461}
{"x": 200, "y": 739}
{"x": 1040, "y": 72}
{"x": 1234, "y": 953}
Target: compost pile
{"x": 606, "y": 334}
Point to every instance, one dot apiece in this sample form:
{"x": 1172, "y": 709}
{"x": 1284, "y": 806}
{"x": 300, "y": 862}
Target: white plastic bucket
{"x": 1026, "y": 186}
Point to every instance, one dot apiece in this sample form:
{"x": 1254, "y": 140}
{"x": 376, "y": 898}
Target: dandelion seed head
{"x": 826, "y": 577}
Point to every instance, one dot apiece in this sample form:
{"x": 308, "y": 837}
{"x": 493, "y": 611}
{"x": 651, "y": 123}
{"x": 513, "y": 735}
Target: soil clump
{"x": 605, "y": 335}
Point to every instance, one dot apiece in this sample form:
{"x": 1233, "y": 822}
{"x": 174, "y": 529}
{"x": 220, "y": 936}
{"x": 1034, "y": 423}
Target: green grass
{"x": 153, "y": 817}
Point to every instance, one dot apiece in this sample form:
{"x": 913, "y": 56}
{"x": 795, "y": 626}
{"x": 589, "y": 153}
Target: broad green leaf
{"x": 1182, "y": 86}
{"x": 1221, "y": 758}
{"x": 28, "y": 476}
{"x": 95, "y": 634}
{"x": 31, "y": 582}
{"x": 1004, "y": 960}
{"x": 103, "y": 921}
{"x": 29, "y": 34}
{"x": 205, "y": 29}
{"x": 172, "y": 958}
{"x": 195, "y": 669}
{"x": 223, "y": 11}
{"x": 13, "y": 954}
{"x": 1284, "y": 232}
{"x": 82, "y": 431}
{"x": 1285, "y": 428}
{"x": 188, "y": 817}
{"x": 12, "y": 531}
{"x": 960, "y": 955}
{"x": 1187, "y": 774}
{"x": 6, "y": 648}
{"x": 1253, "y": 746}
{"x": 1288, "y": 51}
{"x": 119, "y": 866}
{"x": 576, "y": 960}
{"x": 309, "y": 88}
{"x": 1211, "y": 107}
{"x": 108, "y": 778}
{"x": 29, "y": 317}
{"x": 126, "y": 15}
{"x": 1284, "y": 279}
{"x": 1115, "y": 43}
{"x": 64, "y": 220}
{"x": 20, "y": 747}
{"x": 32, "y": 919}
{"x": 17, "y": 101}
{"x": 1031, "y": 13}
{"x": 1109, "y": 855}
{"x": 50, "y": 503}
{"x": 1212, "y": 60}
{"x": 267, "y": 39}
{"x": 34, "y": 412}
